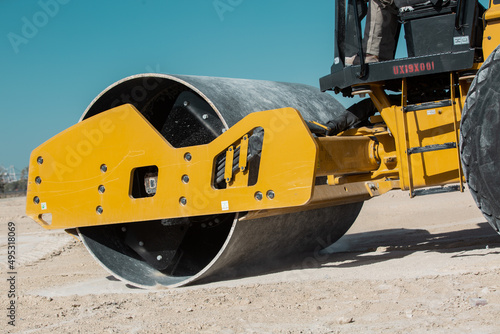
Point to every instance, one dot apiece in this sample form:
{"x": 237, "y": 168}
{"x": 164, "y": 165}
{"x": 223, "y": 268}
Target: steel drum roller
{"x": 192, "y": 110}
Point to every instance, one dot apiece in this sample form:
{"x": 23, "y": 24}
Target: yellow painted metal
{"x": 375, "y": 149}
{"x": 325, "y": 195}
{"x": 319, "y": 124}
{"x": 409, "y": 169}
{"x": 423, "y": 128}
{"x": 431, "y": 127}
{"x": 88, "y": 169}
{"x": 376, "y": 119}
{"x": 376, "y": 93}
{"x": 228, "y": 171}
{"x": 242, "y": 179}
{"x": 465, "y": 80}
{"x": 456, "y": 126}
{"x": 345, "y": 155}
{"x": 380, "y": 187}
{"x": 427, "y": 127}
{"x": 379, "y": 97}
{"x": 122, "y": 140}
{"x": 491, "y": 32}
{"x": 242, "y": 162}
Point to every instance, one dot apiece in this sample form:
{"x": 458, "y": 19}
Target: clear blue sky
{"x": 57, "y": 55}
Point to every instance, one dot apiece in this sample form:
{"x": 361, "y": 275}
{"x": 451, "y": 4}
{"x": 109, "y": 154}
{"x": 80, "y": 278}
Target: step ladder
{"x": 409, "y": 151}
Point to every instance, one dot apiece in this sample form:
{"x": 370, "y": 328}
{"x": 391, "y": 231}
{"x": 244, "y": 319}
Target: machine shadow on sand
{"x": 360, "y": 249}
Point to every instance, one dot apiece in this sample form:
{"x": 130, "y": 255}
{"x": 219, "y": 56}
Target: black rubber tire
{"x": 480, "y": 139}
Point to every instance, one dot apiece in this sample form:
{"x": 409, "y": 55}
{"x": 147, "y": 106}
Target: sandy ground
{"x": 429, "y": 264}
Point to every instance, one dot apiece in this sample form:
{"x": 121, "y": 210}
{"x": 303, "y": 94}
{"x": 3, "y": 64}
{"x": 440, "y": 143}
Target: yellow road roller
{"x": 175, "y": 179}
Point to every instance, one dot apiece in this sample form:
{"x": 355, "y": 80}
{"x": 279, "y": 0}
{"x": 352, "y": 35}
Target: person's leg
{"x": 380, "y": 31}
{"x": 351, "y": 38}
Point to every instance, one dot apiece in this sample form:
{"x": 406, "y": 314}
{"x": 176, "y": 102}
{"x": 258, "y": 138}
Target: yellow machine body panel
{"x": 83, "y": 176}
{"x": 428, "y": 131}
{"x": 425, "y": 138}
{"x": 426, "y": 128}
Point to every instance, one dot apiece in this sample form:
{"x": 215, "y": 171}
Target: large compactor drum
{"x": 187, "y": 111}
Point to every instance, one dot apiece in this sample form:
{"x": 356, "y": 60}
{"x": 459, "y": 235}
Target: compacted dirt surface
{"x": 429, "y": 264}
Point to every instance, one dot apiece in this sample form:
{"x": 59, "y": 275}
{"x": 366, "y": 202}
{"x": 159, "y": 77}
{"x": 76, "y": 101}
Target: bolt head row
{"x": 259, "y": 196}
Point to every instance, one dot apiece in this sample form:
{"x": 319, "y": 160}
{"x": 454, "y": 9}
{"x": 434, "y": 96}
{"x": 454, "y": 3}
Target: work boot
{"x": 354, "y": 60}
{"x": 369, "y": 58}
{"x": 349, "y": 61}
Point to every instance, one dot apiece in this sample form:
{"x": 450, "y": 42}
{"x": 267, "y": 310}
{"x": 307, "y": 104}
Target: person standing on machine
{"x": 379, "y": 42}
